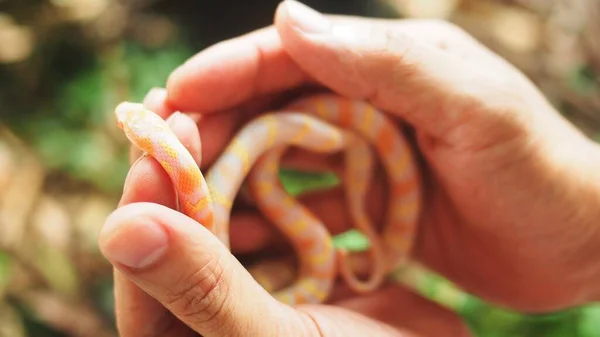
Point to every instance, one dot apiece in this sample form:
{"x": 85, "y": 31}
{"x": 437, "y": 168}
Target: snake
{"x": 324, "y": 123}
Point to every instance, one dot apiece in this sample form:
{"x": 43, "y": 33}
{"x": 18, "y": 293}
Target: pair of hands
{"x": 511, "y": 188}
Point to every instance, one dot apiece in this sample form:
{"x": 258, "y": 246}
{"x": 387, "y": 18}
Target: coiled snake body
{"x": 322, "y": 123}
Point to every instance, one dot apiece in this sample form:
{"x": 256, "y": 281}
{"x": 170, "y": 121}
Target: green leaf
{"x": 589, "y": 323}
{"x": 297, "y": 182}
{"x": 352, "y": 240}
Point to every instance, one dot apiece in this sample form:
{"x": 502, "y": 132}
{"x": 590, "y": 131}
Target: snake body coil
{"x": 321, "y": 123}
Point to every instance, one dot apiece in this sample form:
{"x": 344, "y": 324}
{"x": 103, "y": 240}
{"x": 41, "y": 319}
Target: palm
{"x": 476, "y": 229}
{"x": 482, "y": 229}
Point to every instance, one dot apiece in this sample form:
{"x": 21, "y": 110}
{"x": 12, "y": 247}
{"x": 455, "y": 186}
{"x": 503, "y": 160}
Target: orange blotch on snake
{"x": 145, "y": 144}
{"x": 297, "y": 227}
{"x": 368, "y": 117}
{"x": 307, "y": 244}
{"x": 190, "y": 179}
{"x": 400, "y": 189}
{"x": 201, "y": 205}
{"x": 346, "y": 116}
{"x": 385, "y": 138}
{"x": 276, "y": 213}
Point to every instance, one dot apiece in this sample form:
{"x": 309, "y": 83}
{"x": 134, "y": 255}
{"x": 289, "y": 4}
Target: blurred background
{"x": 65, "y": 64}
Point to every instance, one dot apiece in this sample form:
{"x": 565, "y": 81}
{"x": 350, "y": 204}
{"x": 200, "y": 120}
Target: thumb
{"x": 399, "y": 66}
{"x": 187, "y": 269}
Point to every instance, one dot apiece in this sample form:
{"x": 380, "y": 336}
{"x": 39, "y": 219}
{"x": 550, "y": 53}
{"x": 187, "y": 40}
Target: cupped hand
{"x": 511, "y": 192}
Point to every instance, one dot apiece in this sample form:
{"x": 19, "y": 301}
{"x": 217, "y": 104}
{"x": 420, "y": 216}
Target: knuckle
{"x": 201, "y": 295}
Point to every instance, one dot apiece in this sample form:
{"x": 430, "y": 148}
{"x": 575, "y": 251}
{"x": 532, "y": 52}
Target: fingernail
{"x": 172, "y": 120}
{"x": 306, "y": 19}
{"x": 154, "y": 96}
{"x": 135, "y": 245}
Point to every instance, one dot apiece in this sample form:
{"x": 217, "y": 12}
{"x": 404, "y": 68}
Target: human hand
{"x": 494, "y": 150}
{"x": 175, "y": 278}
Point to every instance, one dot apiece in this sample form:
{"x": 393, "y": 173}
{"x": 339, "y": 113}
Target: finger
{"x": 148, "y": 181}
{"x": 187, "y": 269}
{"x": 156, "y": 100}
{"x": 137, "y": 313}
{"x": 191, "y": 273}
{"x": 240, "y": 69}
{"x": 385, "y": 64}
{"x": 232, "y": 72}
{"x": 216, "y": 129}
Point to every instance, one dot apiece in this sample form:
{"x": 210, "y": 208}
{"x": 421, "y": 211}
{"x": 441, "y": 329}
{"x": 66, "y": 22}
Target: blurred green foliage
{"x": 83, "y": 104}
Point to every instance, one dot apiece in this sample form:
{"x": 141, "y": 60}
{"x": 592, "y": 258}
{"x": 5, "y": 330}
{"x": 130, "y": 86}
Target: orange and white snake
{"x": 322, "y": 123}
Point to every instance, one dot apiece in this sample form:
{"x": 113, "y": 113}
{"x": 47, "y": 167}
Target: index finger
{"x": 233, "y": 72}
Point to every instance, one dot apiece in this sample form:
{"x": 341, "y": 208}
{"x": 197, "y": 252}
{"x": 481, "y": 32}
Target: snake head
{"x": 141, "y": 125}
{"x": 126, "y": 113}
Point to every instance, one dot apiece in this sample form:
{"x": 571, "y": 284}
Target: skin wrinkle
{"x": 313, "y": 326}
{"x": 198, "y": 293}
{"x": 221, "y": 285}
